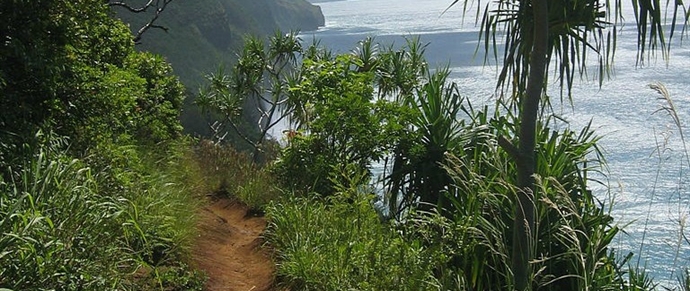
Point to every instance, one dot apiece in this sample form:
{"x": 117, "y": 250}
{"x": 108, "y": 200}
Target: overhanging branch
{"x": 131, "y": 8}
{"x": 158, "y": 5}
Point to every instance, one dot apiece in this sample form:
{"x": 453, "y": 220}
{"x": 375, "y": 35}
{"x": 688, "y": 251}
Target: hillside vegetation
{"x": 438, "y": 214}
{"x": 203, "y": 35}
{"x": 101, "y": 190}
{"x": 94, "y": 191}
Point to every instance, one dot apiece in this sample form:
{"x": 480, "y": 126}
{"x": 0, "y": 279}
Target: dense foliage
{"x": 203, "y": 34}
{"x": 446, "y": 183}
{"x": 69, "y": 68}
{"x": 95, "y": 187}
{"x": 67, "y": 226}
{"x": 387, "y": 177}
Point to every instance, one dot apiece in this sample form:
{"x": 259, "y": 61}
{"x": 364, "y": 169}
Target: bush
{"x": 342, "y": 128}
{"x": 232, "y": 173}
{"x": 58, "y": 233}
{"x": 67, "y": 226}
{"x": 339, "y": 243}
{"x": 74, "y": 71}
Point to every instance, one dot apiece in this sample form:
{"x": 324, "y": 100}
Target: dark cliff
{"x": 309, "y": 17}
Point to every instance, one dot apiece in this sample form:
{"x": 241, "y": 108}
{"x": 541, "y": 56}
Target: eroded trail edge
{"x": 228, "y": 248}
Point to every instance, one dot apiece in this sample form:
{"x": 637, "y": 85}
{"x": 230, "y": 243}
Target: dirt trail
{"x": 229, "y": 249}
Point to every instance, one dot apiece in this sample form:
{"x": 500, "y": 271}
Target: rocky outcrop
{"x": 297, "y": 15}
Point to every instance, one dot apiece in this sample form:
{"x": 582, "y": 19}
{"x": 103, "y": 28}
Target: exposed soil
{"x": 228, "y": 248}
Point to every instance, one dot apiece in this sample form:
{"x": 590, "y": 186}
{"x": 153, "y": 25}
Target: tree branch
{"x": 159, "y": 6}
{"x": 242, "y": 135}
{"x": 130, "y": 8}
{"x": 507, "y": 146}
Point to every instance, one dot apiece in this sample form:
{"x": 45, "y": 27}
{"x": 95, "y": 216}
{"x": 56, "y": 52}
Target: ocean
{"x": 647, "y": 174}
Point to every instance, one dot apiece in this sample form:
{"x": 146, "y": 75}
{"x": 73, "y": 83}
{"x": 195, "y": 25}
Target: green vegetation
{"x": 95, "y": 189}
{"x": 347, "y": 246}
{"x": 537, "y": 34}
{"x": 388, "y": 178}
{"x": 203, "y": 34}
{"x": 98, "y": 187}
{"x": 257, "y": 80}
{"x": 67, "y": 226}
{"x": 228, "y": 172}
{"x": 445, "y": 220}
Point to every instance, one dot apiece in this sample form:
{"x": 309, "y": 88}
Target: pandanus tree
{"x": 539, "y": 34}
{"x": 562, "y": 33}
{"x": 258, "y": 82}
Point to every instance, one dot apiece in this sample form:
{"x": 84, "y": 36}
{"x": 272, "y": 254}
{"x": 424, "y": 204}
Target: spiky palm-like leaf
{"x": 578, "y": 31}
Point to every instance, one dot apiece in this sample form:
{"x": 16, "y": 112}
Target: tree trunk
{"x": 524, "y": 224}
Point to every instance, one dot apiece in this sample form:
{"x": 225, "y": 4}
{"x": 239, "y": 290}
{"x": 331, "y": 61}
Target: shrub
{"x": 342, "y": 128}
{"x": 234, "y": 173}
{"x": 58, "y": 233}
{"x": 339, "y": 243}
{"x": 74, "y": 71}
{"x": 66, "y": 228}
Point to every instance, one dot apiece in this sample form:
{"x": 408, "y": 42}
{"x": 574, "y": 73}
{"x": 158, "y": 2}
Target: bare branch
{"x": 130, "y": 8}
{"x": 158, "y": 5}
{"x": 242, "y": 135}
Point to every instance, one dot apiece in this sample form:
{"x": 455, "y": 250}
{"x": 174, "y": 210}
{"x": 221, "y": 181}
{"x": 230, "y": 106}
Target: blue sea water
{"x": 647, "y": 172}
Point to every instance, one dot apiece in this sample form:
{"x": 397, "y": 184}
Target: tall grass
{"x": 67, "y": 226}
{"x": 668, "y": 107}
{"x": 339, "y": 243}
{"x": 56, "y": 230}
{"x": 157, "y": 215}
{"x": 229, "y": 172}
{"x": 573, "y": 229}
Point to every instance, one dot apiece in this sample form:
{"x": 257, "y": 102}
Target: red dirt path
{"x": 229, "y": 249}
